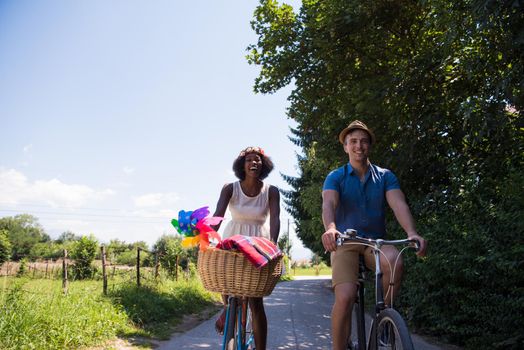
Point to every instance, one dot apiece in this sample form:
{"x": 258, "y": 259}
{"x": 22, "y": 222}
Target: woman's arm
{"x": 223, "y": 202}
{"x": 274, "y": 213}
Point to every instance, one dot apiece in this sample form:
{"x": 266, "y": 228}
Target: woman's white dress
{"x": 248, "y": 214}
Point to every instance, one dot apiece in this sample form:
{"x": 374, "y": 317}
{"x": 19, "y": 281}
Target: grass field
{"x": 310, "y": 271}
{"x": 37, "y": 315}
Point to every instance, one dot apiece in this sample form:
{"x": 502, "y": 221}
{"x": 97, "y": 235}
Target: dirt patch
{"x": 191, "y": 321}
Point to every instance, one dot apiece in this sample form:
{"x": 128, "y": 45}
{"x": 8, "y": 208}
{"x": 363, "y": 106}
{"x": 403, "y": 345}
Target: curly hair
{"x": 238, "y": 164}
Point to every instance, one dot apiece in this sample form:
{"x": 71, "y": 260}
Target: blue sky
{"x": 115, "y": 115}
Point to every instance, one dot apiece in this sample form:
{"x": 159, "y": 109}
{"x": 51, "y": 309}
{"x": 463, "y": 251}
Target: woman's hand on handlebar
{"x": 329, "y": 239}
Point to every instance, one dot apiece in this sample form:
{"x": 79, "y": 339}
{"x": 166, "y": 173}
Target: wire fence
{"x": 111, "y": 274}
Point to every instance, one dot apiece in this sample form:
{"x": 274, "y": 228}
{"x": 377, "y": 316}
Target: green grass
{"x": 157, "y": 309}
{"x": 310, "y": 271}
{"x": 35, "y": 314}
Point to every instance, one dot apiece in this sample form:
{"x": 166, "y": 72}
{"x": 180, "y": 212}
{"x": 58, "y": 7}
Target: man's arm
{"x": 330, "y": 200}
{"x": 397, "y": 202}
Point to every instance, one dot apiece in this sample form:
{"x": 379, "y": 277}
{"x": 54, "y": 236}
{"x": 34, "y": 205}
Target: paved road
{"x": 298, "y": 316}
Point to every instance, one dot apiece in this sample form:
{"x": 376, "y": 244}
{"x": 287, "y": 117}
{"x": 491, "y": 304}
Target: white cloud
{"x": 128, "y": 170}
{"x": 16, "y": 188}
{"x": 156, "y": 200}
{"x": 27, "y": 148}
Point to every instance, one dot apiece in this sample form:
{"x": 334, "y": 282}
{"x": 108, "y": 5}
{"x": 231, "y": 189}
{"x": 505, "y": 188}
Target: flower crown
{"x": 251, "y": 149}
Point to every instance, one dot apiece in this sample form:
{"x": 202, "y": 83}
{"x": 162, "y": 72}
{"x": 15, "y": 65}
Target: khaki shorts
{"x": 344, "y": 262}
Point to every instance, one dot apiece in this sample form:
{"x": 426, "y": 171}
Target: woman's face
{"x": 253, "y": 164}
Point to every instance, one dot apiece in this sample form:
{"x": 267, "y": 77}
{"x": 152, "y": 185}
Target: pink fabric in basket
{"x": 258, "y": 250}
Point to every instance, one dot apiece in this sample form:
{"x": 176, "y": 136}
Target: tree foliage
{"x": 5, "y": 247}
{"x": 285, "y": 245}
{"x": 23, "y": 232}
{"x": 441, "y": 83}
{"x": 67, "y": 236}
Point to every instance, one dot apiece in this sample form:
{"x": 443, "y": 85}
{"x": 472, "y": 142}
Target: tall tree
{"x": 24, "y": 232}
{"x": 441, "y": 83}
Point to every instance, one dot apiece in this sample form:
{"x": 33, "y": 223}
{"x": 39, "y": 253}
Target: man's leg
{"x": 391, "y": 285}
{"x": 345, "y": 295}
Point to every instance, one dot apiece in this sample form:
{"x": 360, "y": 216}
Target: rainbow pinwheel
{"x": 196, "y": 227}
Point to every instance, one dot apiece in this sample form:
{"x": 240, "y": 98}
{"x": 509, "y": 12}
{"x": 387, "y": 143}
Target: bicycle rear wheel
{"x": 390, "y": 332}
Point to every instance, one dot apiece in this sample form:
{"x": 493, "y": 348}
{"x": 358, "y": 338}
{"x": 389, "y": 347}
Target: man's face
{"x": 357, "y": 145}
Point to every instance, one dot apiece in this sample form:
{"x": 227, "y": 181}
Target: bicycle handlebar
{"x": 351, "y": 235}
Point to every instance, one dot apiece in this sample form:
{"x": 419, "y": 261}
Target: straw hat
{"x": 356, "y": 124}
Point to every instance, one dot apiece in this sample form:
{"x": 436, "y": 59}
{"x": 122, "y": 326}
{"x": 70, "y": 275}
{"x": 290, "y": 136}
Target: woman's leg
{"x": 259, "y": 322}
{"x": 221, "y": 320}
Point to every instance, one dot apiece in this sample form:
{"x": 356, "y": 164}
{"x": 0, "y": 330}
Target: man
{"x": 354, "y": 196}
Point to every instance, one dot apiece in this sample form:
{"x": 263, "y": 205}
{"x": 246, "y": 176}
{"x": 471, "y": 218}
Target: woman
{"x": 250, "y": 201}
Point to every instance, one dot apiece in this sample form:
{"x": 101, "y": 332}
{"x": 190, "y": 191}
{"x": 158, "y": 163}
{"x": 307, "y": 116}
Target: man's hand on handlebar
{"x": 329, "y": 239}
{"x": 421, "y": 251}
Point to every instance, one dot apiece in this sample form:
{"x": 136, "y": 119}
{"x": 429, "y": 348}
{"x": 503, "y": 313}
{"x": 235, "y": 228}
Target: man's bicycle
{"x": 388, "y": 329}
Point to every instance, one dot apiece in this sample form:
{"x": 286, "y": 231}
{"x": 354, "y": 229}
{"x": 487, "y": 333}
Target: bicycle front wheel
{"x": 390, "y": 332}
{"x": 229, "y": 332}
{"x": 244, "y": 339}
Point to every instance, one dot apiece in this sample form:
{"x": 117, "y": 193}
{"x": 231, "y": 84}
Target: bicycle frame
{"x": 351, "y": 236}
{"x": 241, "y": 339}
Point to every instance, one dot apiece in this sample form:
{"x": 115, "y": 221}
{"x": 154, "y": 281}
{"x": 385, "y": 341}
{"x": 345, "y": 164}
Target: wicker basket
{"x": 229, "y": 272}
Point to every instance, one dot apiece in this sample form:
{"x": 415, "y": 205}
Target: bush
{"x": 170, "y": 253}
{"x": 477, "y": 243}
{"x": 22, "y": 269}
{"x": 84, "y": 252}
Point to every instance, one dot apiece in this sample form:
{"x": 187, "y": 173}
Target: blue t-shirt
{"x": 361, "y": 204}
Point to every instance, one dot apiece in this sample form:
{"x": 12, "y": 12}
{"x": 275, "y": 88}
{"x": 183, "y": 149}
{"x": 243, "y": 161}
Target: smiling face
{"x": 253, "y": 164}
{"x": 357, "y": 145}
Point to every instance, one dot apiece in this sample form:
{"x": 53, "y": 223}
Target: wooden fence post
{"x": 64, "y": 272}
{"x": 157, "y": 263}
{"x": 46, "y": 267}
{"x": 138, "y": 266}
{"x": 104, "y": 274}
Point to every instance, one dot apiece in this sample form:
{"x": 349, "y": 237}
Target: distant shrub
{"x": 83, "y": 253}
{"x": 22, "y": 269}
